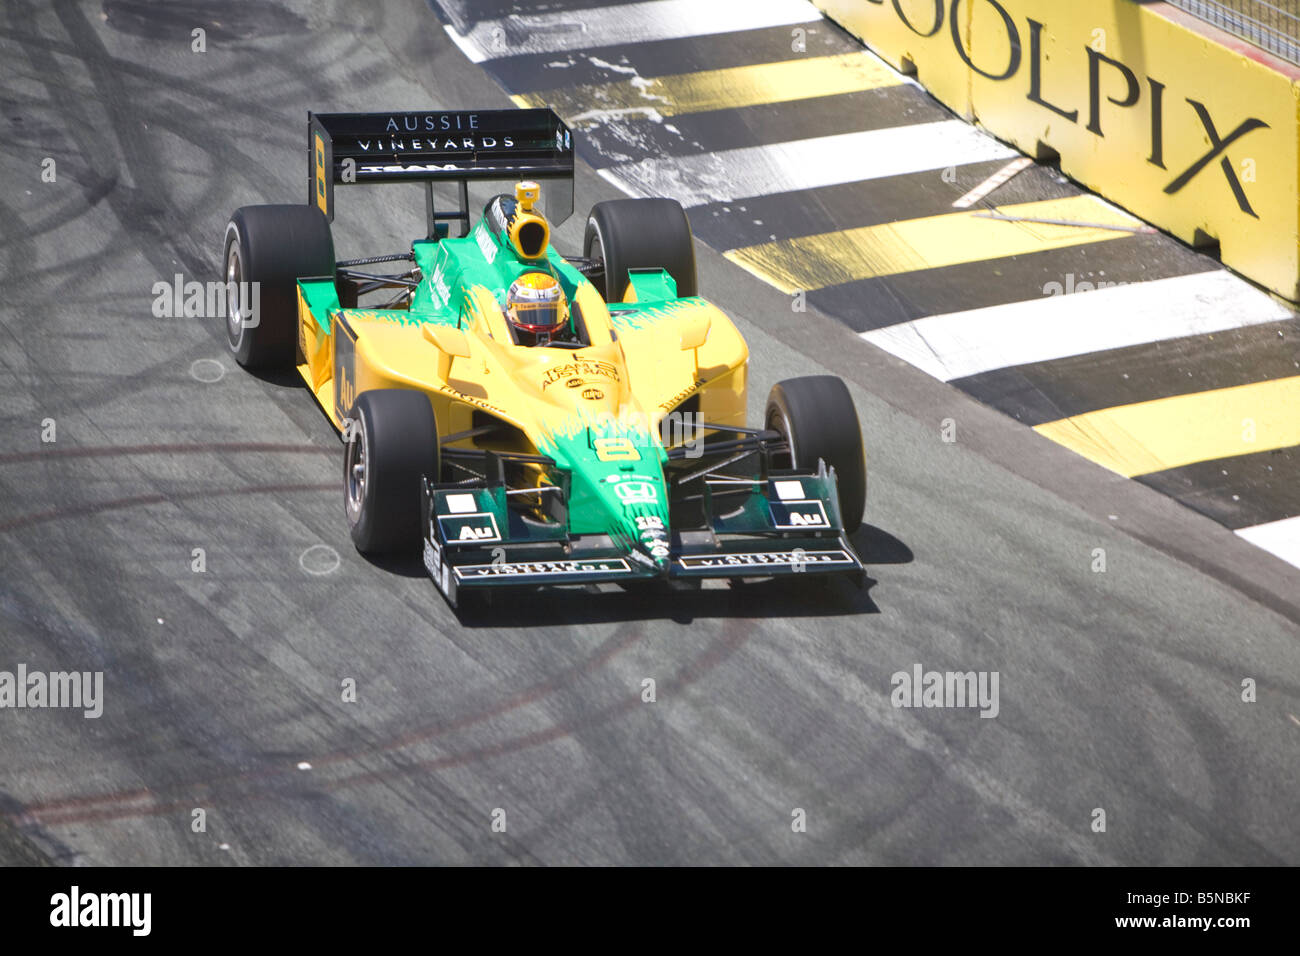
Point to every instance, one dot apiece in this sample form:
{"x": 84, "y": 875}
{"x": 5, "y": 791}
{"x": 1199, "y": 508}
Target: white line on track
{"x": 624, "y": 24}
{"x": 1279, "y": 538}
{"x": 998, "y": 179}
{"x": 1057, "y": 326}
{"x": 750, "y": 171}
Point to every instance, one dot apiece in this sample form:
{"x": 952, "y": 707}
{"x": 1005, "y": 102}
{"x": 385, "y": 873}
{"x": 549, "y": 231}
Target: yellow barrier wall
{"x": 1184, "y": 126}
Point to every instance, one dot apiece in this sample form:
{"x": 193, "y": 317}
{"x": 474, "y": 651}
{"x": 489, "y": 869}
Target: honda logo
{"x": 636, "y": 492}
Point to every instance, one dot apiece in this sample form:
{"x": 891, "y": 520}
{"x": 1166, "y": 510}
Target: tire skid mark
{"x": 118, "y": 504}
{"x": 58, "y": 399}
{"x": 217, "y": 448}
{"x": 135, "y": 207}
{"x": 139, "y": 214}
{"x": 64, "y": 212}
{"x": 144, "y": 802}
{"x": 529, "y": 695}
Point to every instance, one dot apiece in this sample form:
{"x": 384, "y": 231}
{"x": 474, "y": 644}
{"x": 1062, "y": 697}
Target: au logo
{"x": 798, "y": 518}
{"x": 468, "y": 533}
{"x": 347, "y": 393}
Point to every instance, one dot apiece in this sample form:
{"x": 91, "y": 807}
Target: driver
{"x": 537, "y": 309}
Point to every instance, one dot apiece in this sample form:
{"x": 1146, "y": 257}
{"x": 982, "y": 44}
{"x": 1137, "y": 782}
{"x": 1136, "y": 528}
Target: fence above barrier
{"x": 1269, "y": 27}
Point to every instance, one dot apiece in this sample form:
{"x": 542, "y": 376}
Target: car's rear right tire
{"x": 640, "y": 234}
{"x": 391, "y": 444}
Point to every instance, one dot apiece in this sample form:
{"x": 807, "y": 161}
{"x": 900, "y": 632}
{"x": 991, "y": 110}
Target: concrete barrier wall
{"x": 1184, "y": 125}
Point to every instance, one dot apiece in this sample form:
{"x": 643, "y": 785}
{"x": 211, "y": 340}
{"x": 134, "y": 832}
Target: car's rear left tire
{"x": 640, "y": 234}
{"x": 817, "y": 417}
{"x": 274, "y": 246}
{"x": 391, "y": 444}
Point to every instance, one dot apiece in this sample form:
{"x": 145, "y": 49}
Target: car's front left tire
{"x": 815, "y": 415}
{"x": 391, "y": 443}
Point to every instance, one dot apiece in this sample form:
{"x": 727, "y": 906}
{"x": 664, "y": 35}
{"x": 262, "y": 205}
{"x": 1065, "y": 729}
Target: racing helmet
{"x": 536, "y": 304}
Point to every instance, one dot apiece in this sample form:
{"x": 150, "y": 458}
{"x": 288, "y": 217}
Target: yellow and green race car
{"x": 527, "y": 418}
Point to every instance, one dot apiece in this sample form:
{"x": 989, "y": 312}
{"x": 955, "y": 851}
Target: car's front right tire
{"x": 391, "y": 443}
{"x": 625, "y": 234}
{"x": 273, "y": 246}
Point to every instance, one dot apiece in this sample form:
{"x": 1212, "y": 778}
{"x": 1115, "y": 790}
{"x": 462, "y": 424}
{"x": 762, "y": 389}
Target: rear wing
{"x": 439, "y": 146}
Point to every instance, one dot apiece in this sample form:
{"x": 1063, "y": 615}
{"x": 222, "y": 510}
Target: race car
{"x": 527, "y": 418}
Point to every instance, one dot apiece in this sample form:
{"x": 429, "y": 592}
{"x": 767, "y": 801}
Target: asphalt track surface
{"x": 1118, "y": 690}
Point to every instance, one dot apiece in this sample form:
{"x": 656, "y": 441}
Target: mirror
{"x": 451, "y": 341}
{"x": 695, "y": 331}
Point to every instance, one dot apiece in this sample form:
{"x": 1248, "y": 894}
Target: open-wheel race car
{"x": 524, "y": 417}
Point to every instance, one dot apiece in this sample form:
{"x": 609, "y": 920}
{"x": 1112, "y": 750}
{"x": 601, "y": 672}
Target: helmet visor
{"x": 537, "y": 316}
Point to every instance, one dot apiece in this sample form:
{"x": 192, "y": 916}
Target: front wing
{"x": 788, "y": 524}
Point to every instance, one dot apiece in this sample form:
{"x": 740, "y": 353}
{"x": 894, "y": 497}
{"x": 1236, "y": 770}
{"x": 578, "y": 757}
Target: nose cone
{"x": 639, "y": 509}
{"x": 617, "y": 486}
{"x": 658, "y": 553}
